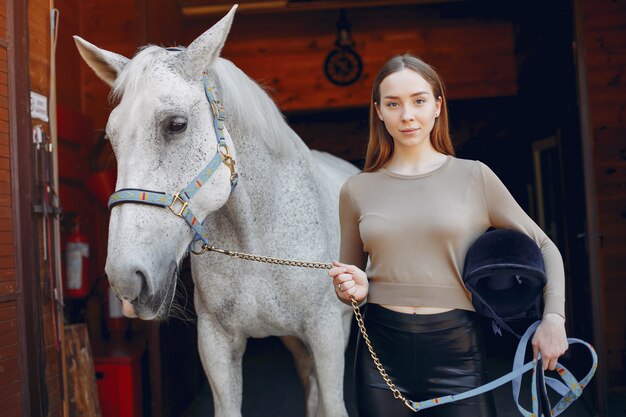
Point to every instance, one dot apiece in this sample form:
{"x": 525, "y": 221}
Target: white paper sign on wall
{"x": 38, "y": 106}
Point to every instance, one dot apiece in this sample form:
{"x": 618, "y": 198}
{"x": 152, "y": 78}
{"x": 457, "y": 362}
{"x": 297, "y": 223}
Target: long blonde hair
{"x": 380, "y": 144}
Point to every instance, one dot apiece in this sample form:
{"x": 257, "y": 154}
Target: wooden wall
{"x": 605, "y": 38}
{"x": 288, "y": 58}
{"x": 10, "y": 356}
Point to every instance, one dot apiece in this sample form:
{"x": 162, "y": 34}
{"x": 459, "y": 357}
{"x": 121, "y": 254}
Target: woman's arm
{"x": 348, "y": 276}
{"x": 504, "y": 212}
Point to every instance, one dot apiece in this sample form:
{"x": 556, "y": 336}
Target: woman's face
{"x": 408, "y": 108}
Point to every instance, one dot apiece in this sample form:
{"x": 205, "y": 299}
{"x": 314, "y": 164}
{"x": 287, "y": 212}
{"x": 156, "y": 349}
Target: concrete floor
{"x": 272, "y": 388}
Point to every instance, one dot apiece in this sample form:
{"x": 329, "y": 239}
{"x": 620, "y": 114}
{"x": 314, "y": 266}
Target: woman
{"x": 414, "y": 212}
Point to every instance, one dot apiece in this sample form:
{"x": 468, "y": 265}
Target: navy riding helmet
{"x": 505, "y": 274}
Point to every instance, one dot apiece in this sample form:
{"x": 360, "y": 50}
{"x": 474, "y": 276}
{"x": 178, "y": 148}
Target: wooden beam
{"x": 197, "y": 9}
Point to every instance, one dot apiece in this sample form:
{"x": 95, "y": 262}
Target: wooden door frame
{"x": 592, "y": 233}
{"x": 22, "y": 196}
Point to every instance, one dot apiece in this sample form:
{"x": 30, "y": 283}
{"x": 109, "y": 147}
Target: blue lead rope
{"x": 570, "y": 390}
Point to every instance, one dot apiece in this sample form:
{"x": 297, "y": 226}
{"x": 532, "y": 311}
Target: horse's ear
{"x": 107, "y": 65}
{"x": 202, "y": 52}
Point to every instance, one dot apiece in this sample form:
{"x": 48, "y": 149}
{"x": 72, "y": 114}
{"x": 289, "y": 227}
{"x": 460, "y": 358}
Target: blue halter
{"x": 179, "y": 203}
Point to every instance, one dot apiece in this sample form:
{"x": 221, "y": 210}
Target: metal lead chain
{"x": 355, "y": 306}
{"x": 396, "y": 393}
{"x": 265, "y": 259}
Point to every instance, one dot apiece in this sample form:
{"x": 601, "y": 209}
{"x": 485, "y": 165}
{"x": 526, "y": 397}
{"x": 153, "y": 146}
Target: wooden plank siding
{"x": 605, "y": 41}
{"x": 10, "y": 356}
{"x": 111, "y": 25}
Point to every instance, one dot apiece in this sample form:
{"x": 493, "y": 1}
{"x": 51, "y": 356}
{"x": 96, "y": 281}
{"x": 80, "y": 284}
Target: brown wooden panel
{"x": 7, "y": 262}
{"x": 8, "y": 352}
{"x": 610, "y": 40}
{"x": 39, "y": 46}
{"x": 56, "y": 406}
{"x": 611, "y": 181}
{"x": 9, "y": 389}
{"x": 15, "y": 411}
{"x": 4, "y": 137}
{"x": 604, "y": 14}
{"x": 4, "y": 187}
{"x": 3, "y": 27}
{"x": 8, "y": 326}
{"x": 158, "y": 12}
{"x": 83, "y": 391}
{"x": 68, "y": 60}
{"x": 6, "y": 274}
{"x": 5, "y": 226}
{"x": 605, "y": 35}
{"x": 12, "y": 402}
{"x": 5, "y": 151}
{"x": 7, "y": 339}
{"x": 49, "y": 335}
{"x": 5, "y": 176}
{"x": 8, "y": 311}
{"x": 54, "y": 367}
{"x": 94, "y": 98}
{"x": 7, "y": 287}
{"x": 110, "y": 21}
{"x": 3, "y": 19}
{"x": 609, "y": 144}
{"x": 608, "y": 110}
{"x": 6, "y": 250}
{"x": 6, "y": 213}
{"x": 6, "y": 237}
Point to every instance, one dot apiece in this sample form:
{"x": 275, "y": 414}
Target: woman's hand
{"x": 349, "y": 281}
{"x": 550, "y": 339}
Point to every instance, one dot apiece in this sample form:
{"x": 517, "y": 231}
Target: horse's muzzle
{"x": 146, "y": 297}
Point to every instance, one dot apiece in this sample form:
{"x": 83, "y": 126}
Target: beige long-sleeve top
{"x": 416, "y": 230}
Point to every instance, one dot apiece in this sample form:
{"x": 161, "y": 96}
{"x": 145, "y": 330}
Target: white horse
{"x": 285, "y": 206}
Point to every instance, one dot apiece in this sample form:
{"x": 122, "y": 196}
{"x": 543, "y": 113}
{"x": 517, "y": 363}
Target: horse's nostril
{"x": 144, "y": 282}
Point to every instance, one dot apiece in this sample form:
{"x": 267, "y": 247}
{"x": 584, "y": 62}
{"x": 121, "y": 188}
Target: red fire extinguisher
{"x": 77, "y": 282}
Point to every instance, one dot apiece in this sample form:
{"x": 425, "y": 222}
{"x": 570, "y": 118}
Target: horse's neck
{"x": 250, "y": 208}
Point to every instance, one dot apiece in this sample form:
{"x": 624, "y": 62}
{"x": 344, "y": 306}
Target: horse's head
{"x": 163, "y": 136}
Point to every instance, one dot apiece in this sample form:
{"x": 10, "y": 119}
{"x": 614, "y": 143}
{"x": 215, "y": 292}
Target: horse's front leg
{"x": 325, "y": 337}
{"x": 221, "y": 354}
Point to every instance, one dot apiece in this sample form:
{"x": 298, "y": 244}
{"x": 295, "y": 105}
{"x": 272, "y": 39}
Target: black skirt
{"x": 426, "y": 356}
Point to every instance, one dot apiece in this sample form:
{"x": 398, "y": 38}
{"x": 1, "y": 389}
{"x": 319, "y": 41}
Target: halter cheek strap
{"x": 179, "y": 203}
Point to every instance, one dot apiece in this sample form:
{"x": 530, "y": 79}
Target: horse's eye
{"x": 177, "y": 125}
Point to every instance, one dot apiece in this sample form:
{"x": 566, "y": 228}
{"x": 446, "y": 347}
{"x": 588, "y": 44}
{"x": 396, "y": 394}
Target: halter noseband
{"x": 179, "y": 203}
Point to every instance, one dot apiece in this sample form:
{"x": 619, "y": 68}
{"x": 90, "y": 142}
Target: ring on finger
{"x": 340, "y": 287}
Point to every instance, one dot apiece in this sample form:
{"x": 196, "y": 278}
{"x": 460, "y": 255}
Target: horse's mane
{"x": 243, "y": 100}
{"x": 128, "y": 79}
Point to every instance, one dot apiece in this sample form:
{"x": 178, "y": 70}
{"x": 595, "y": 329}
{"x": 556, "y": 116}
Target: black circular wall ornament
{"x": 343, "y": 66}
